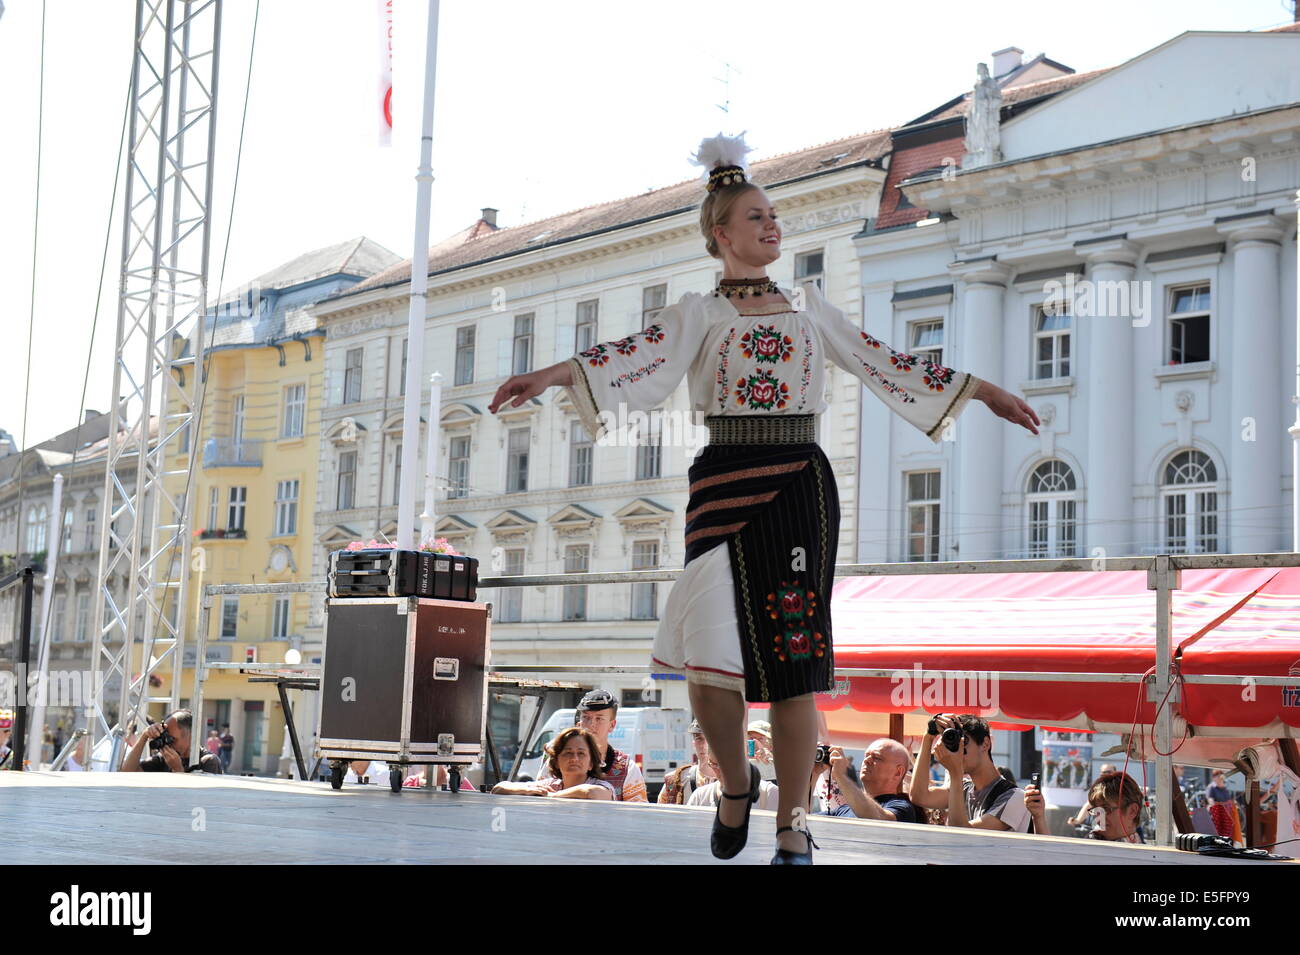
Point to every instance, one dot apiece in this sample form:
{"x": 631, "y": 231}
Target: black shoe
{"x": 786, "y": 857}
{"x": 727, "y": 841}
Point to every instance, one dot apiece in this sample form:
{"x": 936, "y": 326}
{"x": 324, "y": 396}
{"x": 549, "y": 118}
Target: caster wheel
{"x": 336, "y": 777}
{"x": 453, "y": 779}
{"x": 395, "y": 778}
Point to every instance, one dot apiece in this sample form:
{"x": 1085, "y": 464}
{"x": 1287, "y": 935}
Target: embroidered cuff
{"x": 583, "y": 400}
{"x": 955, "y": 407}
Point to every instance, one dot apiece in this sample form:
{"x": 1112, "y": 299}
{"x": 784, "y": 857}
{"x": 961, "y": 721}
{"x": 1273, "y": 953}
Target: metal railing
{"x": 229, "y": 453}
{"x": 1163, "y": 576}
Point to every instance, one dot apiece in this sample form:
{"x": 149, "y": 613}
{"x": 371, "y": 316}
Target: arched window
{"x": 1191, "y": 504}
{"x": 1052, "y": 501}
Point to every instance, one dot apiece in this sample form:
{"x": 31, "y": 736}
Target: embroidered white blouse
{"x": 757, "y": 364}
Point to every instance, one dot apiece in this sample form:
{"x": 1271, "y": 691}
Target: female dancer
{"x": 749, "y": 617}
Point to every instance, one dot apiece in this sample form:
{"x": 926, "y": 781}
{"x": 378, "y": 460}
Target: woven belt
{"x": 762, "y": 429}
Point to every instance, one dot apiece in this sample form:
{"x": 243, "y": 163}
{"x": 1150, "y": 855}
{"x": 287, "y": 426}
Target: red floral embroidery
{"x": 792, "y": 607}
{"x": 936, "y": 376}
{"x": 767, "y": 344}
{"x": 653, "y": 335}
{"x": 762, "y": 391}
{"x": 873, "y": 342}
{"x": 595, "y": 356}
{"x": 630, "y": 377}
{"x": 625, "y": 346}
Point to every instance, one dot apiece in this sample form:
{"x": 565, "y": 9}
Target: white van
{"x": 655, "y": 737}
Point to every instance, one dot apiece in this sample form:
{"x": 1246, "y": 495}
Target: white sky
{"x": 541, "y": 108}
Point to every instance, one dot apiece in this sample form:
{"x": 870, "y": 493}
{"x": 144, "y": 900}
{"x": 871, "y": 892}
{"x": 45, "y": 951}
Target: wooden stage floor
{"x": 122, "y": 819}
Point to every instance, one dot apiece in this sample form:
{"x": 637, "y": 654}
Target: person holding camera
{"x": 1113, "y": 810}
{"x": 879, "y": 795}
{"x": 170, "y": 743}
{"x": 769, "y": 795}
{"x": 964, "y": 746}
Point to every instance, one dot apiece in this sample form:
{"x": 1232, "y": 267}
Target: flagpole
{"x": 418, "y": 309}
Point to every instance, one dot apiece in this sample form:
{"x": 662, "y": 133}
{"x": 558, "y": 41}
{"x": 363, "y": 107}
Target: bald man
{"x": 880, "y": 797}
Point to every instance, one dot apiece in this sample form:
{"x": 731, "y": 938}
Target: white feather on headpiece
{"x": 721, "y": 150}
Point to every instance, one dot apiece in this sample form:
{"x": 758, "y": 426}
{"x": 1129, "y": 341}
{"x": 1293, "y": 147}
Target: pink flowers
{"x": 439, "y": 545}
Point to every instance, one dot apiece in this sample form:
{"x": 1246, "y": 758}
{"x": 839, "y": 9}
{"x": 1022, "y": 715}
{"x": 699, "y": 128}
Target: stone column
{"x": 1256, "y": 521}
{"x": 977, "y": 530}
{"x": 1105, "y": 312}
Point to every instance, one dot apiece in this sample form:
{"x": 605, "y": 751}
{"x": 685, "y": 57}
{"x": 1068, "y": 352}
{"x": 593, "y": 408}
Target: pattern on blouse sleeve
{"x": 638, "y": 372}
{"x": 925, "y": 394}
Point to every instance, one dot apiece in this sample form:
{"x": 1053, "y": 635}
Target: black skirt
{"x": 778, "y": 510}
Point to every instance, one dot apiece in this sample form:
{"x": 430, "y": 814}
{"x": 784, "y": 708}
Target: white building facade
{"x": 1128, "y": 264}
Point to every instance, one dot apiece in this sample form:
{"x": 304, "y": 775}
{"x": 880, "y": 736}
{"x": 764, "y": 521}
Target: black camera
{"x": 951, "y": 737}
{"x": 163, "y": 739}
{"x": 823, "y": 754}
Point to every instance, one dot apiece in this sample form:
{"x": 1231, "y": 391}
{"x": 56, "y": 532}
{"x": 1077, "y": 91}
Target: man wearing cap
{"x": 598, "y": 715}
{"x": 681, "y": 782}
{"x": 760, "y": 731}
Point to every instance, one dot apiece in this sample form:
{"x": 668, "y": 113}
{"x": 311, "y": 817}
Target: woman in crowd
{"x": 574, "y": 760}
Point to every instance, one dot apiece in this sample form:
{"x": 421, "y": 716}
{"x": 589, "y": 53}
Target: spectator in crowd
{"x": 213, "y": 743}
{"x": 986, "y": 800}
{"x": 1114, "y": 808}
{"x": 760, "y": 731}
{"x": 768, "y": 794}
{"x": 1218, "y": 790}
{"x": 879, "y": 795}
{"x": 227, "y": 747}
{"x": 598, "y": 715}
{"x": 681, "y": 783}
{"x": 173, "y": 756}
{"x": 367, "y": 772}
{"x": 573, "y": 763}
{"x": 6, "y": 733}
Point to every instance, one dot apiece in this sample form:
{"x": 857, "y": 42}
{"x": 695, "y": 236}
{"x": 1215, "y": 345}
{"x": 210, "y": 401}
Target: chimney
{"x": 489, "y": 216}
{"x": 1004, "y": 61}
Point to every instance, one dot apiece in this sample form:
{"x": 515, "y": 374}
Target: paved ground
{"x": 92, "y": 818}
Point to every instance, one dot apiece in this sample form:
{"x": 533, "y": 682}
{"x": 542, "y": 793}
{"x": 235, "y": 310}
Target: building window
{"x": 401, "y": 382}
{"x": 235, "y": 512}
{"x": 229, "y": 618}
{"x": 645, "y": 597}
{"x": 60, "y": 618}
{"x": 584, "y": 333}
{"x": 397, "y": 473}
{"x": 352, "y": 376}
{"x": 809, "y": 269}
{"x": 92, "y": 541}
{"x": 280, "y": 619}
{"x": 286, "y": 508}
{"x": 295, "y": 411}
{"x": 1052, "y": 518}
{"x": 37, "y": 516}
{"x": 923, "y": 515}
{"x": 649, "y": 452}
{"x": 517, "y": 466}
{"x": 1052, "y": 326}
{"x": 465, "y": 355}
{"x": 512, "y": 598}
{"x": 458, "y": 467}
{"x": 346, "y": 497}
{"x": 926, "y": 340}
{"x": 82, "y": 632}
{"x": 1191, "y": 504}
{"x": 1189, "y": 324}
{"x": 214, "y": 508}
{"x": 522, "y": 360}
{"x": 185, "y": 438}
{"x": 575, "y": 598}
{"x": 67, "y": 531}
{"x": 579, "y": 455}
{"x": 653, "y": 300}
{"x": 237, "y": 427}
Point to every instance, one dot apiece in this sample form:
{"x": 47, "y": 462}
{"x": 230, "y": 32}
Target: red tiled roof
{"x": 477, "y": 245}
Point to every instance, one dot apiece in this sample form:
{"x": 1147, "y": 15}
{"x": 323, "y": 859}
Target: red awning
{"x": 1231, "y": 622}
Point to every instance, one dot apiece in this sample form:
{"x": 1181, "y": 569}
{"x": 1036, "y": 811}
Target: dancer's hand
{"x": 517, "y": 389}
{"x": 1006, "y": 405}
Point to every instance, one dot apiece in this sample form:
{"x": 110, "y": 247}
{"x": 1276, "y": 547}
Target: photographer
{"x": 1114, "y": 808}
{"x": 964, "y": 745}
{"x": 170, "y": 742}
{"x": 880, "y": 795}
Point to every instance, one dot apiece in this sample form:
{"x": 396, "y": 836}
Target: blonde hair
{"x": 716, "y": 211}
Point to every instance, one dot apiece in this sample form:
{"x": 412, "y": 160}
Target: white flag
{"x": 385, "y": 72}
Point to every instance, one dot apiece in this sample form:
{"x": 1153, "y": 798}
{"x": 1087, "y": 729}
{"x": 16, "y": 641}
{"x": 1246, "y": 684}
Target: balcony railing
{"x": 229, "y": 453}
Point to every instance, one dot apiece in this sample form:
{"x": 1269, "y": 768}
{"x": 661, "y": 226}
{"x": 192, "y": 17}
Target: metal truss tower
{"x": 157, "y": 380}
